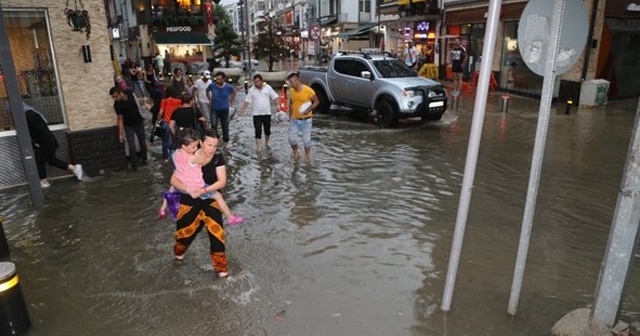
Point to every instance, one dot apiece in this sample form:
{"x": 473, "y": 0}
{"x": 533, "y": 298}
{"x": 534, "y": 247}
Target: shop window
{"x": 514, "y": 73}
{"x": 30, "y": 43}
{"x": 631, "y": 57}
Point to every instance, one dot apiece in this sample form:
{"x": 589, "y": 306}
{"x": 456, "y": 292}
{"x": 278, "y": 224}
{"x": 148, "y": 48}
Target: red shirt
{"x": 168, "y": 105}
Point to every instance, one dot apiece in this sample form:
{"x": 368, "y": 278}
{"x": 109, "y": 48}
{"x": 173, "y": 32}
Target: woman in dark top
{"x": 196, "y": 213}
{"x": 186, "y": 116}
{"x": 45, "y": 146}
{"x": 177, "y": 82}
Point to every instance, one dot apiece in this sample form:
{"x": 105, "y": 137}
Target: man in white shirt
{"x": 200, "y": 86}
{"x": 262, "y": 96}
{"x": 410, "y": 55}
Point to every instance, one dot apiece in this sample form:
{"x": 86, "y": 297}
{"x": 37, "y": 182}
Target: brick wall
{"x": 98, "y": 150}
{"x": 92, "y": 135}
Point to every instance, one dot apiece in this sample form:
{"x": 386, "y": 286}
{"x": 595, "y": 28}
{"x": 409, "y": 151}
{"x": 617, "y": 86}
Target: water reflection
{"x": 354, "y": 242}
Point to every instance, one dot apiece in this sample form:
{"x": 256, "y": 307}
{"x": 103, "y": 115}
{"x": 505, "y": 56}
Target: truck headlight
{"x": 408, "y": 93}
{"x": 411, "y": 93}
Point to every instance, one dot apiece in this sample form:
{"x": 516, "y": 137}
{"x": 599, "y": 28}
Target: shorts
{"x": 456, "y": 67}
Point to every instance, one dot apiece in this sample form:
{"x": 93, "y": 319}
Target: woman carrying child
{"x": 199, "y": 174}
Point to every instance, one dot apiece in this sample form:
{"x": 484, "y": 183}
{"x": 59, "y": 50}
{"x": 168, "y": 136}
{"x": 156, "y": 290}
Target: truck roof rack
{"x": 366, "y": 52}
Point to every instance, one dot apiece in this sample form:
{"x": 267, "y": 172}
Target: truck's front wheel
{"x": 388, "y": 118}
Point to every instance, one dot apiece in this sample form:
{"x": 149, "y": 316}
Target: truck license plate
{"x": 436, "y": 104}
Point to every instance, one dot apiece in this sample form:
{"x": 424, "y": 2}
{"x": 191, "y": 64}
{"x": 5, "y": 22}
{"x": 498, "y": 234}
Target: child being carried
{"x": 188, "y": 161}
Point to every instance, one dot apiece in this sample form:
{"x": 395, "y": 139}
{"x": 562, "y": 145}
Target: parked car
{"x": 376, "y": 82}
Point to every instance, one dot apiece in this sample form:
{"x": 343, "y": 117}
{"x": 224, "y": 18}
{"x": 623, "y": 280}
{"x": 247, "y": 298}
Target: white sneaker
{"x": 78, "y": 172}
{"x": 44, "y": 184}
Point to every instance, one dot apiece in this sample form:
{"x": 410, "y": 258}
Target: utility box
{"x": 594, "y": 93}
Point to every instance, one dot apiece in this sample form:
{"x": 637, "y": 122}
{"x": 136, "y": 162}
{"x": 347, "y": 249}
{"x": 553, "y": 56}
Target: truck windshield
{"x": 393, "y": 68}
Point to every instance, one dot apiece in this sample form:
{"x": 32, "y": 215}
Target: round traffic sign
{"x": 314, "y": 32}
{"x": 534, "y": 31}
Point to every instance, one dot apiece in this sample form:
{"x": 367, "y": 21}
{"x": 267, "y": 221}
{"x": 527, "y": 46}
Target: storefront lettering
{"x": 633, "y": 7}
{"x": 178, "y": 29}
{"x": 422, "y": 26}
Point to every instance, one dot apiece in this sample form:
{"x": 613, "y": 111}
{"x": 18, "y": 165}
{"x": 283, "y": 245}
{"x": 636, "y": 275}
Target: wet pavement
{"x": 353, "y": 242}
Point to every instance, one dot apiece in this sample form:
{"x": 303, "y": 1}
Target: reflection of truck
{"x": 377, "y": 83}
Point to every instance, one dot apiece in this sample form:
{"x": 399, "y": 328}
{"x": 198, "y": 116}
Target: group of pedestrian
{"x": 190, "y": 119}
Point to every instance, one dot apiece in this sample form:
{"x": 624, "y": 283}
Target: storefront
{"x": 469, "y": 24}
{"x": 419, "y": 30}
{"x": 619, "y": 59}
{"x": 188, "y": 48}
{"x": 65, "y": 75}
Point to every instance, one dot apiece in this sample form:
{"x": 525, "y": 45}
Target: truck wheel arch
{"x": 323, "y": 98}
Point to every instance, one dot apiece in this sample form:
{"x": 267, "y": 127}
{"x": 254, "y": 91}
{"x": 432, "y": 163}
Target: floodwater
{"x": 354, "y": 242}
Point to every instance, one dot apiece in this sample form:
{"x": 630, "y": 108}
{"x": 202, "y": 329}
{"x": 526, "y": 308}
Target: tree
{"x": 270, "y": 43}
{"x": 226, "y": 43}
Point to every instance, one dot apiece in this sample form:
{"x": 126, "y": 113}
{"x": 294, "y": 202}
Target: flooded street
{"x": 354, "y": 242}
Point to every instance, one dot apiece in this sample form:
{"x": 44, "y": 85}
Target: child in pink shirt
{"x": 188, "y": 169}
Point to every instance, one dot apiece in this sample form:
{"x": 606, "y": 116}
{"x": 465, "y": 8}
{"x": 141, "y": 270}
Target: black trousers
{"x": 258, "y": 122}
{"x": 131, "y": 133}
{"x": 46, "y": 155}
{"x": 223, "y": 116}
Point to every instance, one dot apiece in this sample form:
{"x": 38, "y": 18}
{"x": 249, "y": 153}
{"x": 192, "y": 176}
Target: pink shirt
{"x": 190, "y": 174}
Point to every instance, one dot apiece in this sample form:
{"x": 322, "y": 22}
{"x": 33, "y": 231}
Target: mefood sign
{"x": 178, "y": 29}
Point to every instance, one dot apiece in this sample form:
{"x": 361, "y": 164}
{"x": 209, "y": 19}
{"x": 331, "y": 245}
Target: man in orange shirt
{"x": 167, "y": 106}
{"x": 303, "y": 101}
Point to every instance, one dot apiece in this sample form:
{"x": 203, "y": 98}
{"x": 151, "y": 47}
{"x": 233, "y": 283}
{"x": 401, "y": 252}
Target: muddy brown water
{"x": 354, "y": 242}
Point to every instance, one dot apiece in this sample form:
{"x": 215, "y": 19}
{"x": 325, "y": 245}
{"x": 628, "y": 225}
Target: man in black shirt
{"x": 130, "y": 123}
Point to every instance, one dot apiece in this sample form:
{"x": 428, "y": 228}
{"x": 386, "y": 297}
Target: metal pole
{"x": 19, "y": 118}
{"x": 472, "y": 151}
{"x": 248, "y": 46}
{"x": 242, "y": 6}
{"x": 538, "y": 153}
{"x": 623, "y": 239}
{"x": 317, "y": 42}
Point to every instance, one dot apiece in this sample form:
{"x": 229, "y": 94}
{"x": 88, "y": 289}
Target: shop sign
{"x": 304, "y": 34}
{"x": 633, "y": 7}
{"x": 178, "y": 29}
{"x": 115, "y": 33}
{"x": 421, "y": 30}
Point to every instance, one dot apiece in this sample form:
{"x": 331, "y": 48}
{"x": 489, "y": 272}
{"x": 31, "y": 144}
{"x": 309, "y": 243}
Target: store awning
{"x": 181, "y": 38}
{"x": 328, "y": 20}
{"x": 363, "y": 29}
{"x": 406, "y": 2}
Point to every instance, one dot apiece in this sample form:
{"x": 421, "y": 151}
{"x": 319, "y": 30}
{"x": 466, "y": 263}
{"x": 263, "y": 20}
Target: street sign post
{"x": 551, "y": 37}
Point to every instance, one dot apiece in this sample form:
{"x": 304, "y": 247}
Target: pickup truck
{"x": 375, "y": 83}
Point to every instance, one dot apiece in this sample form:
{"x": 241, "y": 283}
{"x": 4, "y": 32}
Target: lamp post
{"x": 244, "y": 24}
{"x": 248, "y": 59}
{"x": 317, "y": 43}
{"x": 241, "y": 21}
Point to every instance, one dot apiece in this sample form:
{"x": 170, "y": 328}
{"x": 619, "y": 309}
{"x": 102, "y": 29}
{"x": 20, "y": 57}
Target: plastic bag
{"x": 173, "y": 201}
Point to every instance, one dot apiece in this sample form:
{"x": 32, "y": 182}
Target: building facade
{"x": 612, "y": 49}
{"x": 180, "y": 30}
{"x": 66, "y": 75}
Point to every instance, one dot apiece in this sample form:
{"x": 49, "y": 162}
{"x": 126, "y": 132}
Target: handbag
{"x": 158, "y": 130}
{"x": 198, "y": 124}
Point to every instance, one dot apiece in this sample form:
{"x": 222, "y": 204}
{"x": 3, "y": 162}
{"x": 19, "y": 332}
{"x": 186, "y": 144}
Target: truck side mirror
{"x": 365, "y": 74}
